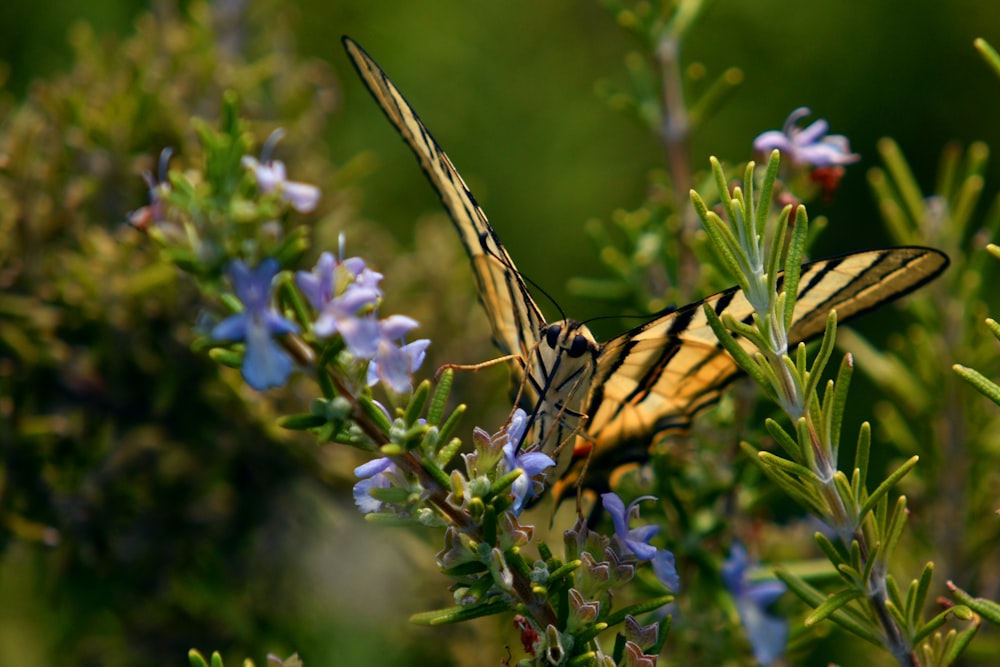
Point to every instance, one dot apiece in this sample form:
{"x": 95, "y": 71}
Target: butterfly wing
{"x": 654, "y": 379}
{"x": 515, "y": 318}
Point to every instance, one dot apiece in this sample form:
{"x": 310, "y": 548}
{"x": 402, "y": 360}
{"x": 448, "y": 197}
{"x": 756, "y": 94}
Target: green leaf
{"x": 741, "y": 356}
{"x": 459, "y": 614}
{"x": 814, "y": 376}
{"x": 894, "y": 531}
{"x": 447, "y": 452}
{"x": 980, "y": 382}
{"x": 302, "y": 422}
{"x": 764, "y": 200}
{"x": 846, "y": 493}
{"x": 801, "y": 492}
{"x": 503, "y": 483}
{"x": 417, "y": 402}
{"x": 776, "y": 252}
{"x": 793, "y": 264}
{"x": 917, "y": 595}
{"x": 564, "y": 570}
{"x": 291, "y": 296}
{"x": 961, "y": 642}
{"x": 988, "y": 609}
{"x": 465, "y": 569}
{"x": 885, "y": 486}
{"x": 829, "y": 549}
{"x": 830, "y": 605}
{"x": 988, "y": 53}
{"x": 224, "y": 357}
{"x": 451, "y": 423}
{"x": 992, "y": 324}
{"x": 839, "y": 401}
{"x": 861, "y": 459}
{"x": 440, "y": 399}
{"x": 435, "y": 471}
{"x": 723, "y": 188}
{"x": 939, "y": 620}
{"x": 845, "y": 617}
{"x": 726, "y": 244}
{"x": 652, "y": 604}
{"x": 196, "y": 659}
{"x": 787, "y": 442}
{"x": 374, "y": 413}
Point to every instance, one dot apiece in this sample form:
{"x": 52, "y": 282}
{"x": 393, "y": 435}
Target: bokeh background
{"x": 183, "y": 526}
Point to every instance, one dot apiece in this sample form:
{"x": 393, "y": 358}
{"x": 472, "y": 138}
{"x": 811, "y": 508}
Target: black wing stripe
{"x": 725, "y": 298}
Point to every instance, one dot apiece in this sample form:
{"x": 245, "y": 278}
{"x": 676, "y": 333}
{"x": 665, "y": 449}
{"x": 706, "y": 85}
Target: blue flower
{"x": 339, "y": 289}
{"x": 767, "y": 633}
{"x": 636, "y": 540}
{"x": 376, "y": 474}
{"x": 265, "y": 363}
{"x": 529, "y": 463}
{"x": 271, "y": 177}
{"x": 394, "y": 363}
{"x": 807, "y": 146}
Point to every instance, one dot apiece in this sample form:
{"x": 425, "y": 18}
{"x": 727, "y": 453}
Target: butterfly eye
{"x": 552, "y": 335}
{"x": 578, "y": 346}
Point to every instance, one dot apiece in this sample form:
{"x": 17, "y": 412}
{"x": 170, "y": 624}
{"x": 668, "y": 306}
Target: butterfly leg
{"x": 475, "y": 367}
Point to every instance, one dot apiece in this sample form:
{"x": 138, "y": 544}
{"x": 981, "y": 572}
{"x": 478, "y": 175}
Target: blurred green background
{"x": 509, "y": 90}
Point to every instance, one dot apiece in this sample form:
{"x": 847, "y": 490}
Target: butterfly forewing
{"x": 653, "y": 379}
{"x": 514, "y": 317}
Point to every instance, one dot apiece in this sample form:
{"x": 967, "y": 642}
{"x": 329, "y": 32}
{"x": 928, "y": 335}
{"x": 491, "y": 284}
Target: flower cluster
{"x": 345, "y": 295}
{"x": 485, "y": 543}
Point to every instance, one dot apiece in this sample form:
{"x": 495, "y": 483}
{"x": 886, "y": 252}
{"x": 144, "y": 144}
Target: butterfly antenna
{"x": 541, "y": 290}
{"x": 527, "y": 279}
{"x": 645, "y": 318}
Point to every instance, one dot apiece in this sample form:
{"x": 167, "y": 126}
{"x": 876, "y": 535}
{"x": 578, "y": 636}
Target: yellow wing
{"x": 514, "y": 316}
{"x": 656, "y": 378}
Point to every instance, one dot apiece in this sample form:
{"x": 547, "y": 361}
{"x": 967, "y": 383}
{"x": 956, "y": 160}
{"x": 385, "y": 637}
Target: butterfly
{"x": 608, "y": 401}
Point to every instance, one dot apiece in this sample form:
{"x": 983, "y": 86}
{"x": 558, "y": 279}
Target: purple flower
{"x": 529, "y": 463}
{"x": 767, "y": 633}
{"x": 807, "y": 146}
{"x": 394, "y": 363}
{"x": 636, "y": 540}
{"x": 271, "y": 177}
{"x": 265, "y": 363}
{"x": 376, "y": 474}
{"x": 338, "y": 289}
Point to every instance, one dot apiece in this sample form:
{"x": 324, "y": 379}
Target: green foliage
{"x": 198, "y": 660}
{"x": 131, "y": 473}
{"x": 136, "y": 479}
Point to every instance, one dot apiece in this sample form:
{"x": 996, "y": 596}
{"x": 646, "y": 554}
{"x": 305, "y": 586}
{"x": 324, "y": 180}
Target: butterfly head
{"x": 570, "y": 338}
